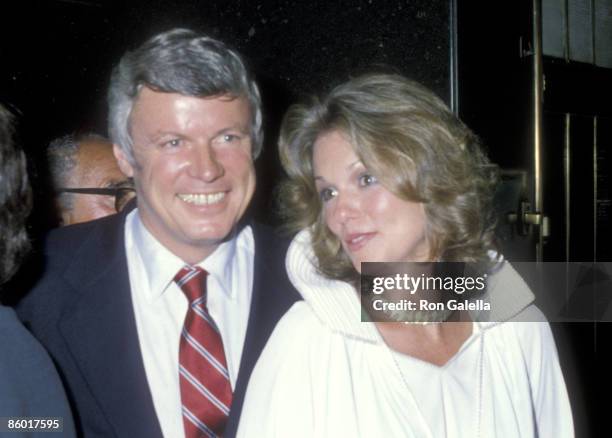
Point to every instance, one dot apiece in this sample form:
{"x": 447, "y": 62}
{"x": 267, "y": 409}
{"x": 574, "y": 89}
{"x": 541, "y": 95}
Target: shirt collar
{"x": 336, "y": 303}
{"x": 161, "y": 265}
{"x": 220, "y": 265}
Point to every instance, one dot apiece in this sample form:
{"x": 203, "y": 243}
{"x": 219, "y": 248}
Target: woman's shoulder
{"x": 21, "y": 352}
{"x": 298, "y": 343}
{"x": 297, "y": 328}
{"x": 29, "y": 384}
{"x": 529, "y": 330}
{"x": 13, "y": 334}
{"x": 8, "y": 317}
{"x": 527, "y": 320}
{"x": 280, "y": 387}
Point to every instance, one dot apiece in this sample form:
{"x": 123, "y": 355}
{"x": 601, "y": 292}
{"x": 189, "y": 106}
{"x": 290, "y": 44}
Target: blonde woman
{"x": 381, "y": 170}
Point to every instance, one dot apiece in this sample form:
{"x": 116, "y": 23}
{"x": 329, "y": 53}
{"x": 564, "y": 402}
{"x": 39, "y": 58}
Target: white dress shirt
{"x": 160, "y": 308}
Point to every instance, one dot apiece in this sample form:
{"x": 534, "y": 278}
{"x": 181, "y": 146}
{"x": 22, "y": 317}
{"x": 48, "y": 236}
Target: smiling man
{"x": 155, "y": 317}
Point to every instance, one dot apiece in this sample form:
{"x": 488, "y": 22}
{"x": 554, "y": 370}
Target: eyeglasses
{"x": 122, "y": 194}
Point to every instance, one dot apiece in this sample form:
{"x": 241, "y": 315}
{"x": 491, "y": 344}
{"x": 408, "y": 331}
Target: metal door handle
{"x": 525, "y": 218}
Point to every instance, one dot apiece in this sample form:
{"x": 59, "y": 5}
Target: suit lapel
{"x": 272, "y": 296}
{"x": 100, "y": 332}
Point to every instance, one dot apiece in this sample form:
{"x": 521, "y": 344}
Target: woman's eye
{"x": 326, "y": 194}
{"x": 367, "y": 180}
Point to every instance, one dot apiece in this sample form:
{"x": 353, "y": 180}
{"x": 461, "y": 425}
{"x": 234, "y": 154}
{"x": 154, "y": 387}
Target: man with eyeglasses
{"x": 86, "y": 179}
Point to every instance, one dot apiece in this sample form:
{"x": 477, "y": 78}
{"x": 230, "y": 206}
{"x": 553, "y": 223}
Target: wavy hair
{"x": 410, "y": 140}
{"x": 15, "y": 200}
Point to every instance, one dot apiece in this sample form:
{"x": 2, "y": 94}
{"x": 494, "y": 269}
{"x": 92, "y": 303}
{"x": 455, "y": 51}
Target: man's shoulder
{"x": 269, "y": 261}
{"x": 87, "y": 243}
{"x": 270, "y": 240}
{"x": 270, "y": 253}
{"x": 64, "y": 241}
{"x": 60, "y": 244}
{"x": 74, "y": 251}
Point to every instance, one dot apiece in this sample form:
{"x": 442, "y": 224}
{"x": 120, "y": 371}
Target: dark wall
{"x": 56, "y": 58}
{"x": 57, "y": 55}
{"x": 495, "y": 99}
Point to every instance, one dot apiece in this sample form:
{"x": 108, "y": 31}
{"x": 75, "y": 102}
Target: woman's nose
{"x": 346, "y": 208}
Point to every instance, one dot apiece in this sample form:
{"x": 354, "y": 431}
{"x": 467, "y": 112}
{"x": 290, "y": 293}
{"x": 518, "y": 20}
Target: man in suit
{"x": 156, "y": 316}
{"x": 86, "y": 179}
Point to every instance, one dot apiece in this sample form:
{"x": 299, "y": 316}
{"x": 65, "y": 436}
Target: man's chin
{"x": 209, "y": 236}
{"x": 195, "y": 248}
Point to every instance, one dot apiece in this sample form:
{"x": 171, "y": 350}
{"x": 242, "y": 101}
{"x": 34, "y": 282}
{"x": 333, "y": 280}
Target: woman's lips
{"x": 355, "y": 241}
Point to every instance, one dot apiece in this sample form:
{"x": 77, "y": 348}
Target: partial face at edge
{"x": 194, "y": 172}
{"x": 96, "y": 168}
{"x": 372, "y": 223}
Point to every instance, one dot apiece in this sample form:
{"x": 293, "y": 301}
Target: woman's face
{"x": 373, "y": 224}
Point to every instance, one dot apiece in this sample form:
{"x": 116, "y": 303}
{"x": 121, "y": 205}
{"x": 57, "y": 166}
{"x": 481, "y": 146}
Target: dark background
{"x": 56, "y": 58}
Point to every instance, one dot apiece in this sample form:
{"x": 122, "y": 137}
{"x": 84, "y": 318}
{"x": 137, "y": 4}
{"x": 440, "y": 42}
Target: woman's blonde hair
{"x": 410, "y": 140}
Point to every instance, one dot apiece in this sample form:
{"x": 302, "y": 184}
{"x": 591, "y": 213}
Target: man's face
{"x": 193, "y": 170}
{"x": 96, "y": 167}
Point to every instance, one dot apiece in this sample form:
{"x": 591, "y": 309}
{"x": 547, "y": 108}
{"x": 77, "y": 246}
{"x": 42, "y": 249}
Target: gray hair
{"x": 62, "y": 160}
{"x": 179, "y": 61}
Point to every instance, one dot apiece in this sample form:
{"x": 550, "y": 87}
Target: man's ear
{"x": 66, "y": 218}
{"x": 123, "y": 162}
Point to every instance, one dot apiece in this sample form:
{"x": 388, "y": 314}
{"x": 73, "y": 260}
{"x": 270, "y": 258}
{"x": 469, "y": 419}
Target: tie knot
{"x": 192, "y": 281}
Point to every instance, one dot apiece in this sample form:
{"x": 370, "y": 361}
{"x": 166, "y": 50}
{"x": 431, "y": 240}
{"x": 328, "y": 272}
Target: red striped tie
{"x": 206, "y": 394}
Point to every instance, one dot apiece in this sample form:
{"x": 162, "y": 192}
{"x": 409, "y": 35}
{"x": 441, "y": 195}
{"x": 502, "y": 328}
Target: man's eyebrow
{"x": 157, "y": 135}
{"x": 240, "y": 128}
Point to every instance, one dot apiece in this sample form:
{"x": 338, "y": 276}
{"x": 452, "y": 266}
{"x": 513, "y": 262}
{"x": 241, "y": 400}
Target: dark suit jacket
{"x": 81, "y": 311}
